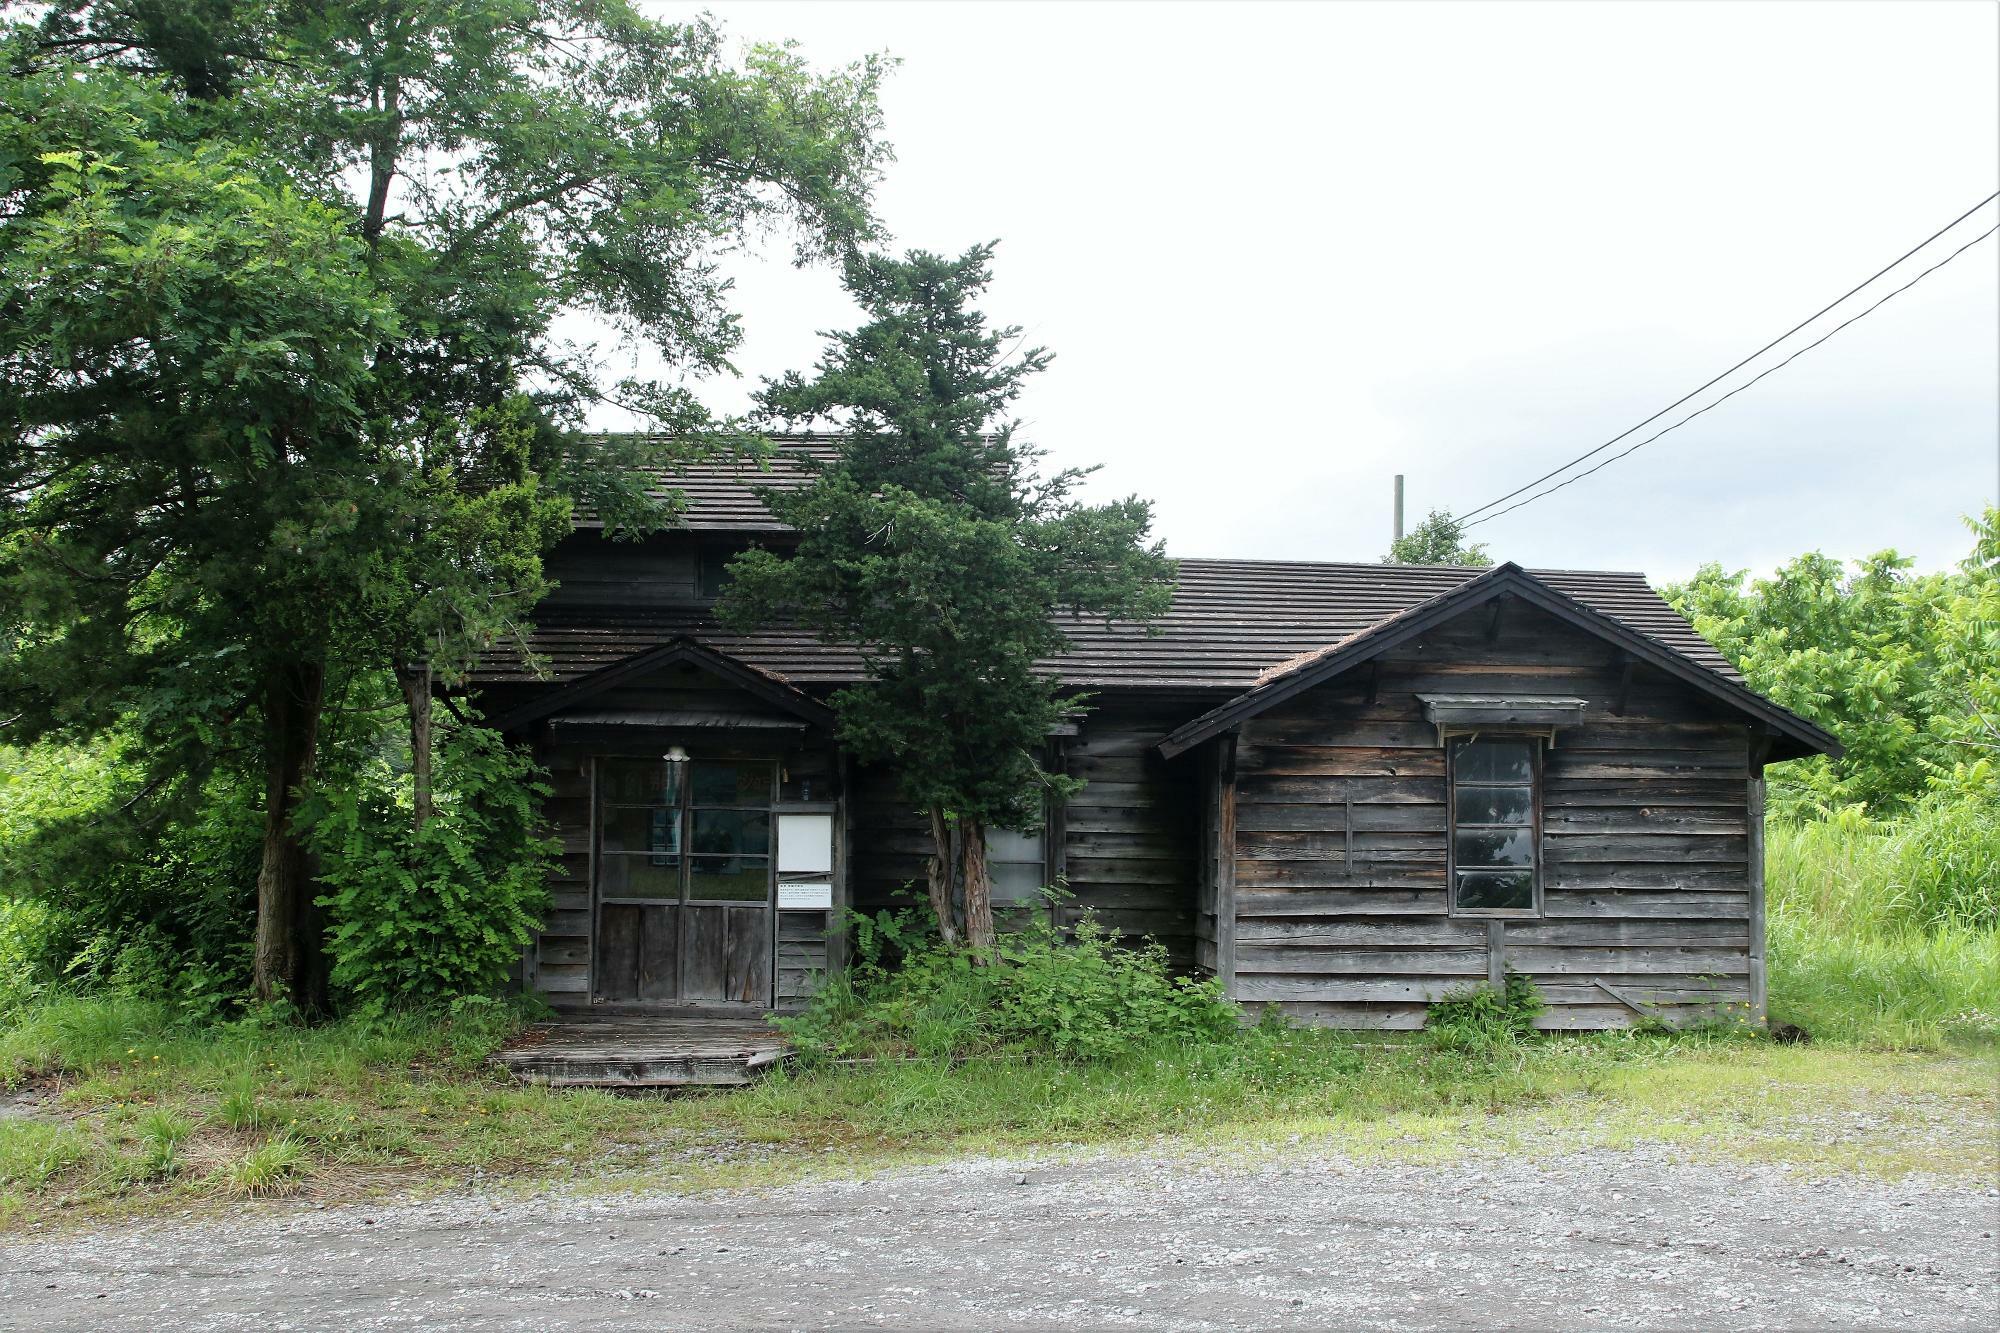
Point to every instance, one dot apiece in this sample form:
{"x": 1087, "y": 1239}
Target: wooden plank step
{"x": 626, "y": 1052}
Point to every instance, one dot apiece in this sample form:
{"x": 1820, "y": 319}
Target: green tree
{"x": 283, "y": 385}
{"x": 934, "y": 543}
{"x": 1438, "y": 540}
{"x": 1900, "y": 666}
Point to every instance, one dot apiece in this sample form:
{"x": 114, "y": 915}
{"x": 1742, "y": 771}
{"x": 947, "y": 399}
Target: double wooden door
{"x": 684, "y": 880}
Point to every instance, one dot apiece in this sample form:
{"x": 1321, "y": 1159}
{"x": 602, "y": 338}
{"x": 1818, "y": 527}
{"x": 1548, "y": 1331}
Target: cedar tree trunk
{"x": 978, "y": 886}
{"x": 416, "y": 683}
{"x": 290, "y": 954}
{"x": 941, "y": 870}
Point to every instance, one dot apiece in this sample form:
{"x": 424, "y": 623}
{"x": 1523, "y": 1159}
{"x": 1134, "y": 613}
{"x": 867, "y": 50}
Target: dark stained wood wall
{"x": 1339, "y": 873}
{"x": 1127, "y": 844}
{"x": 559, "y": 964}
{"x": 1132, "y": 846}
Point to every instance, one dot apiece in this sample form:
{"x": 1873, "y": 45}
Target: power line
{"x": 1739, "y": 365}
{"x": 1733, "y": 392}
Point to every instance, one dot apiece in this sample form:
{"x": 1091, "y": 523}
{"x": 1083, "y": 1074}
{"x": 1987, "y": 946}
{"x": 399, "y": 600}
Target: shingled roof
{"x": 1234, "y": 624}
{"x": 721, "y": 493}
{"x": 1231, "y": 622}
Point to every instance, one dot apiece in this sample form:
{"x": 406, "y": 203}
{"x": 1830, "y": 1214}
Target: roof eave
{"x": 1506, "y": 579}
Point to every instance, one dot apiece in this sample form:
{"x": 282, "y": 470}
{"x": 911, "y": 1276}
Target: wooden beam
{"x": 1624, "y": 684}
{"x": 1760, "y": 996}
{"x": 1635, "y": 1006}
{"x": 1225, "y": 865}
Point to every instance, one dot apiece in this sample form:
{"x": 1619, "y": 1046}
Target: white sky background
{"x": 1283, "y": 252}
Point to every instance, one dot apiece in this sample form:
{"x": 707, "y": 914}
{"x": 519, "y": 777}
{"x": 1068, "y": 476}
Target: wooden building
{"x": 1344, "y": 789}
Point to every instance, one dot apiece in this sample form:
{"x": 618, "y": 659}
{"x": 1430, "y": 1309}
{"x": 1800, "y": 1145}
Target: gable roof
{"x": 1303, "y": 671}
{"x": 758, "y": 683}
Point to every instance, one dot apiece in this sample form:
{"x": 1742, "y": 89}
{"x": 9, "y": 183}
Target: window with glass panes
{"x": 1017, "y": 865}
{"x": 695, "y": 831}
{"x": 1495, "y": 816}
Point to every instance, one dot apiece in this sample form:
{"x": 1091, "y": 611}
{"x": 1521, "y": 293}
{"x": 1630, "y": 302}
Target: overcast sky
{"x": 1283, "y": 252}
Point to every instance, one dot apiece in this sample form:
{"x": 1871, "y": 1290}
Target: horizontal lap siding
{"x": 890, "y": 844}
{"x": 1132, "y": 846}
{"x": 1341, "y": 908}
{"x": 1130, "y": 838}
{"x": 559, "y": 959}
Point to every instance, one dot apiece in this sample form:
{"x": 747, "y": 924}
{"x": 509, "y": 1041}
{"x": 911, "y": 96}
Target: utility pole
{"x": 1399, "y": 506}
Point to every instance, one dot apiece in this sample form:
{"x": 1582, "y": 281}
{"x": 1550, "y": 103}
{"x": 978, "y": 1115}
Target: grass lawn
{"x": 112, "y": 1111}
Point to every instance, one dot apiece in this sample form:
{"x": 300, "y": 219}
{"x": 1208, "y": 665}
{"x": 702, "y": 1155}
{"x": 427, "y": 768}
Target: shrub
{"x": 108, "y": 900}
{"x": 20, "y": 947}
{"x": 1080, "y": 997}
{"x": 442, "y": 912}
{"x": 1482, "y": 1017}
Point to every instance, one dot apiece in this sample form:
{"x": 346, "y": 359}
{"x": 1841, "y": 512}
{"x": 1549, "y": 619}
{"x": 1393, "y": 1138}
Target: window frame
{"x": 1038, "y": 901}
{"x": 684, "y": 809}
{"x": 1537, "y": 740}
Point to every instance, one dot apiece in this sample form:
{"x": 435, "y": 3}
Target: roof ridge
{"x": 1471, "y": 571}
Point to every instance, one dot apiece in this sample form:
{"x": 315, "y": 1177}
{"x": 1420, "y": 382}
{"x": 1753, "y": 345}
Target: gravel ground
{"x": 1599, "y": 1239}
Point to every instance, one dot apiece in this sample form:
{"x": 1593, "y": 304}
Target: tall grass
{"x": 1887, "y": 934}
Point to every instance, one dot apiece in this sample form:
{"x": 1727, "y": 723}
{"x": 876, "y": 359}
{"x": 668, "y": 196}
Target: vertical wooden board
{"x": 704, "y": 953}
{"x": 1760, "y": 1007}
{"x": 659, "y": 953}
{"x": 747, "y": 947}
{"x": 1225, "y": 868}
{"x": 618, "y": 951}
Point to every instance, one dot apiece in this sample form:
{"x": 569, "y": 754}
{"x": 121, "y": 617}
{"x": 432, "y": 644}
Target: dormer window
{"x": 712, "y": 572}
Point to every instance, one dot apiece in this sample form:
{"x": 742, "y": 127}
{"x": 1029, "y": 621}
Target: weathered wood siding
{"x": 889, "y": 843}
{"x": 1341, "y": 909}
{"x": 1131, "y": 850}
{"x": 561, "y": 961}
{"x": 558, "y": 963}
{"x": 1126, "y": 845}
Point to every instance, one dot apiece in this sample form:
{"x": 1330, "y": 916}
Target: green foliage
{"x": 105, "y": 900}
{"x": 1900, "y": 666}
{"x": 1084, "y": 997}
{"x": 933, "y": 541}
{"x": 162, "y": 1130}
{"x": 1936, "y": 868}
{"x": 281, "y": 396}
{"x": 238, "y": 1106}
{"x": 1438, "y": 540}
{"x": 1482, "y": 1017}
{"x": 410, "y": 1100}
{"x": 441, "y": 912}
{"x": 1887, "y": 933}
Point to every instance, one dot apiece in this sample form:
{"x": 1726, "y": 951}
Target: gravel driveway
{"x": 1593, "y": 1239}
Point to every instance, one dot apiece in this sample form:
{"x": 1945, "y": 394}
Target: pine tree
{"x": 934, "y": 543}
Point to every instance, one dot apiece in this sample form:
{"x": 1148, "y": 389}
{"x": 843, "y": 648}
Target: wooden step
{"x": 644, "y": 1052}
